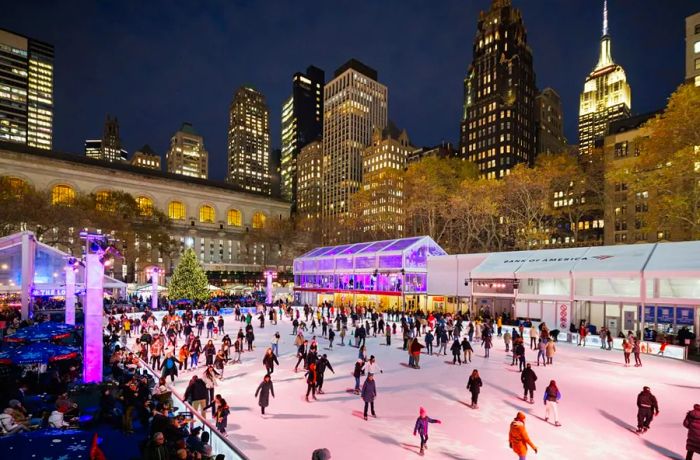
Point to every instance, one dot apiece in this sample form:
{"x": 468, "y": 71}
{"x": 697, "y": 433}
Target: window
{"x": 176, "y": 210}
{"x": 14, "y": 185}
{"x": 697, "y": 64}
{"x": 102, "y": 200}
{"x": 697, "y": 29}
{"x": 207, "y": 214}
{"x": 621, "y": 149}
{"x": 145, "y": 205}
{"x": 234, "y": 217}
{"x": 259, "y": 219}
{"x": 696, "y": 47}
{"x": 62, "y": 195}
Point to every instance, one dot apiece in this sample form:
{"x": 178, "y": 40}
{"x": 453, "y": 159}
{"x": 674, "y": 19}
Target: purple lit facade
{"x": 93, "y": 311}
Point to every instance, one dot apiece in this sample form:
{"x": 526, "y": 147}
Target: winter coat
{"x": 551, "y": 396}
{"x": 519, "y": 350}
{"x": 466, "y": 345}
{"x": 692, "y": 423}
{"x": 551, "y": 349}
{"x": 311, "y": 376}
{"x": 7, "y": 423}
{"x": 369, "y": 391}
{"x": 422, "y": 425}
{"x": 155, "y": 452}
{"x": 455, "y": 348}
{"x": 518, "y": 438}
{"x": 196, "y": 391}
{"x": 415, "y": 347}
{"x": 210, "y": 382}
{"x": 528, "y": 378}
{"x": 270, "y": 360}
{"x": 56, "y": 420}
{"x": 474, "y": 385}
{"x": 647, "y": 400}
{"x": 264, "y": 390}
{"x": 358, "y": 369}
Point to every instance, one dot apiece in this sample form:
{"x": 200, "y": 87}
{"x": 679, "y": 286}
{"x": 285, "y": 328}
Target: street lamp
{"x": 403, "y": 290}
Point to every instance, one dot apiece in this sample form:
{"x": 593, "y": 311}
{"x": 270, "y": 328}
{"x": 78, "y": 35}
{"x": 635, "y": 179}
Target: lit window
{"x": 206, "y": 214}
{"x": 62, "y": 195}
{"x": 145, "y": 205}
{"x": 697, "y": 47}
{"x": 102, "y": 200}
{"x": 176, "y": 210}
{"x": 14, "y": 185}
{"x": 259, "y": 219}
{"x": 234, "y": 217}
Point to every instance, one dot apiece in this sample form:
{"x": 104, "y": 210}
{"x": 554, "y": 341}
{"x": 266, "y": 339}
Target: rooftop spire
{"x": 605, "y": 58}
{"x": 605, "y": 18}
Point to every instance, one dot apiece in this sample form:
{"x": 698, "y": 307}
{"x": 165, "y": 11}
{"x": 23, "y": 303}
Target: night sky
{"x": 155, "y": 64}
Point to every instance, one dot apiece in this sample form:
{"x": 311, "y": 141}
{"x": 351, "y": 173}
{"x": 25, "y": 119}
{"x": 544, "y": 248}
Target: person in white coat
{"x": 8, "y": 424}
{"x": 56, "y": 420}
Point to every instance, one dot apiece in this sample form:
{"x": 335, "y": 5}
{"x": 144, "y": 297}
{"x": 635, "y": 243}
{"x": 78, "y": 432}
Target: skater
{"x": 301, "y": 355}
{"x": 373, "y": 367}
{"x": 692, "y": 423}
{"x": 636, "y": 350}
{"x": 343, "y": 331}
{"x": 487, "y": 343}
{"x": 626, "y": 350}
{"x": 276, "y": 343}
{"x": 467, "y": 350}
{"x": 541, "y": 351}
{"x": 551, "y": 349}
{"x": 357, "y": 372}
{"x": 169, "y": 367}
{"x": 369, "y": 393}
{"x": 551, "y": 402}
{"x": 421, "y": 428}
{"x": 429, "y": 342}
{"x": 388, "y": 336}
{"x": 534, "y": 335}
{"x": 222, "y": 413}
{"x": 518, "y": 439}
{"x": 265, "y": 389}
{"x": 456, "y": 349}
{"x": 507, "y": 338}
{"x": 311, "y": 382}
{"x": 331, "y": 336}
{"x": 519, "y": 354}
{"x": 474, "y": 386}
{"x": 321, "y": 366}
{"x": 269, "y": 361}
{"x": 528, "y": 379}
{"x": 647, "y": 408}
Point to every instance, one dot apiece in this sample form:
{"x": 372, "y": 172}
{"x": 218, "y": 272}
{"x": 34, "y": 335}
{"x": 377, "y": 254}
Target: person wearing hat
{"x": 647, "y": 407}
{"x": 369, "y": 393}
{"x": 518, "y": 439}
{"x": 421, "y": 428}
{"x": 321, "y": 454}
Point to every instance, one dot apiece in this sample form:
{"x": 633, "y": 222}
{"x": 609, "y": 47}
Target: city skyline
{"x": 423, "y": 71}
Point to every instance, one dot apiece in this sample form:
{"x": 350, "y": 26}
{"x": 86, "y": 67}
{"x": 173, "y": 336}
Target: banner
{"x": 664, "y": 315}
{"x": 685, "y": 316}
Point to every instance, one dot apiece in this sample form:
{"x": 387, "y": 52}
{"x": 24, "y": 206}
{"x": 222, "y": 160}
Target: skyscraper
{"x": 354, "y": 104}
{"x": 145, "y": 157}
{"x": 26, "y": 90}
{"x": 498, "y": 126}
{"x": 187, "y": 155}
{"x": 606, "y": 95}
{"x": 109, "y": 147}
{"x": 309, "y": 191}
{"x": 692, "y": 49}
{"x": 549, "y": 122}
{"x": 302, "y": 123}
{"x": 249, "y": 141}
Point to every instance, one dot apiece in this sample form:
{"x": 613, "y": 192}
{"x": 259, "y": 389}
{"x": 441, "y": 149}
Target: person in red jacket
{"x": 518, "y": 439}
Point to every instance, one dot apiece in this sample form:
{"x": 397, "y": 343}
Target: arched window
{"x": 259, "y": 219}
{"x": 207, "y": 214}
{"x": 145, "y": 205}
{"x": 176, "y": 210}
{"x": 102, "y": 200}
{"x": 14, "y": 185}
{"x": 62, "y": 195}
{"x": 234, "y": 218}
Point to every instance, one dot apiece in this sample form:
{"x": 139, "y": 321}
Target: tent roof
{"x": 501, "y": 265}
{"x": 614, "y": 261}
{"x": 674, "y": 260}
{"x": 551, "y": 263}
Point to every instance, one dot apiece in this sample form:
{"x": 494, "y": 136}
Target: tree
{"x": 526, "y": 206}
{"x": 189, "y": 280}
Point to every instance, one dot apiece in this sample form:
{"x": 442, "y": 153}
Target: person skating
{"x": 647, "y": 408}
{"x": 265, "y": 389}
{"x": 369, "y": 393}
{"x": 357, "y": 372}
{"x": 692, "y": 423}
{"x": 551, "y": 349}
{"x": 331, "y": 336}
{"x": 269, "y": 361}
{"x": 518, "y": 439}
{"x": 373, "y": 367}
{"x": 507, "y": 339}
{"x": 487, "y": 342}
{"x": 519, "y": 354}
{"x": 541, "y": 352}
{"x": 429, "y": 342}
{"x": 421, "y": 427}
{"x": 301, "y": 355}
{"x": 276, "y": 343}
{"x": 467, "y": 350}
{"x": 456, "y": 349}
{"x": 528, "y": 378}
{"x": 474, "y": 386}
{"x": 415, "y": 349}
{"x": 311, "y": 381}
{"x": 627, "y": 351}
{"x": 551, "y": 402}
{"x": 222, "y": 413}
{"x": 637, "y": 352}
{"x": 321, "y": 366}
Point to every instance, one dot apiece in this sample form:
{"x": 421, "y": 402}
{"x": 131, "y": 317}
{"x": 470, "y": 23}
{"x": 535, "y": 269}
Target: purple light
{"x": 92, "y": 349}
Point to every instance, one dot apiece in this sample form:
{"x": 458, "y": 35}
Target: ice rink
{"x": 597, "y": 409}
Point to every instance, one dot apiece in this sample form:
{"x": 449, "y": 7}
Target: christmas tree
{"x": 189, "y": 280}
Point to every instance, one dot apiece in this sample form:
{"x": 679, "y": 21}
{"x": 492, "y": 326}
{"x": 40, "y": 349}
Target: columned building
{"x": 354, "y": 104}
{"x": 692, "y": 49}
{"x": 606, "y": 95}
{"x": 498, "y": 126}
{"x": 309, "y": 162}
{"x": 249, "y": 141}
{"x": 26, "y": 90}
{"x": 302, "y": 123}
{"x": 549, "y": 122}
{"x": 187, "y": 155}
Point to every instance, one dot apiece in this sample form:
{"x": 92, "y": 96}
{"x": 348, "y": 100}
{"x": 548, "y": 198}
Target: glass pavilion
{"x": 384, "y": 274}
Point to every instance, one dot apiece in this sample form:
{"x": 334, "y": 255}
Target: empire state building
{"x": 606, "y": 95}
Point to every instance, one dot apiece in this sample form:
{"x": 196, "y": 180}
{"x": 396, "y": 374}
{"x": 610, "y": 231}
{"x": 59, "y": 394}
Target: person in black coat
{"x": 321, "y": 366}
{"x": 301, "y": 355}
{"x": 528, "y": 378}
{"x": 474, "y": 386}
{"x": 269, "y": 361}
{"x": 369, "y": 393}
{"x": 456, "y": 349}
{"x": 647, "y": 407}
{"x": 264, "y": 390}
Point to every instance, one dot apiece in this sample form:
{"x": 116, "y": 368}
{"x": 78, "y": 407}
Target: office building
{"x": 249, "y": 141}
{"x": 187, "y": 155}
{"x": 109, "y": 147}
{"x": 606, "y": 95}
{"x": 692, "y": 49}
{"x": 302, "y": 123}
{"x": 442, "y": 150}
{"x": 383, "y": 162}
{"x": 276, "y": 172}
{"x": 309, "y": 190}
{"x": 26, "y": 90}
{"x": 498, "y": 125}
{"x": 354, "y": 103}
{"x": 145, "y": 157}
{"x": 549, "y": 123}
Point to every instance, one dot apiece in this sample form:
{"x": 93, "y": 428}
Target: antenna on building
{"x": 605, "y": 18}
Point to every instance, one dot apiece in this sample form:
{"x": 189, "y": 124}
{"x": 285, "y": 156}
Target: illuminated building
{"x": 606, "y": 95}
{"x": 498, "y": 126}
{"x": 145, "y": 157}
{"x": 549, "y": 122}
{"x": 382, "y": 165}
{"x": 26, "y": 90}
{"x": 692, "y": 49}
{"x": 187, "y": 155}
{"x": 309, "y": 188}
{"x": 442, "y": 150}
{"x": 249, "y": 141}
{"x": 354, "y": 104}
{"x": 302, "y": 123}
{"x": 109, "y": 148}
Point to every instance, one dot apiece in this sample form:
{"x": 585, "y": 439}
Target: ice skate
{"x": 421, "y": 453}
{"x": 546, "y": 419}
{"x": 557, "y": 424}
